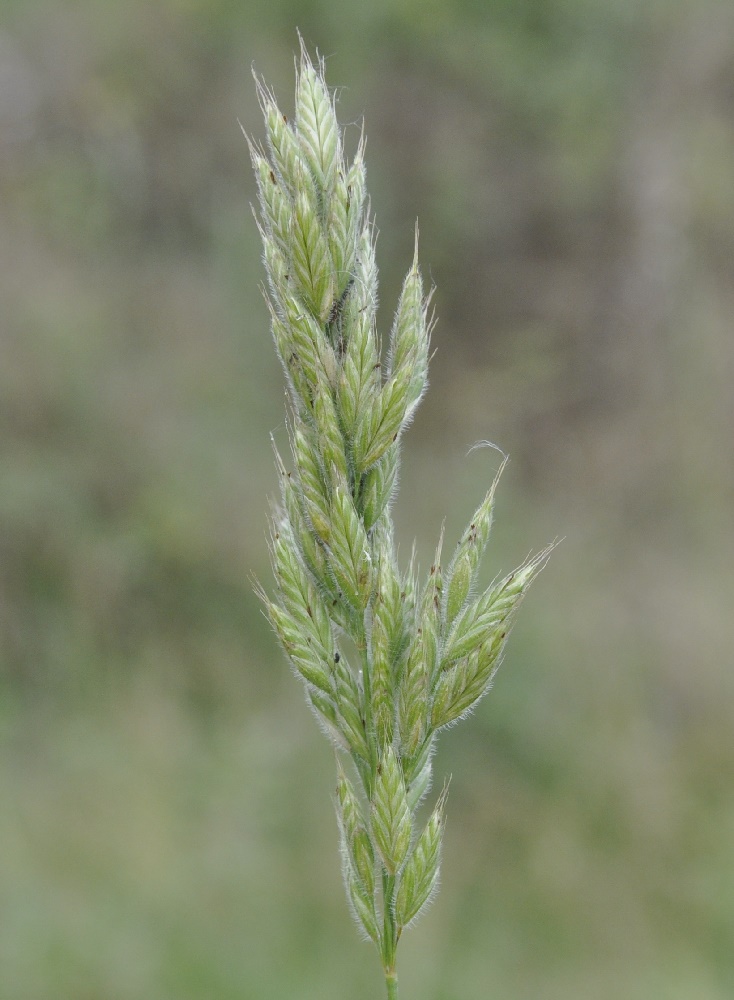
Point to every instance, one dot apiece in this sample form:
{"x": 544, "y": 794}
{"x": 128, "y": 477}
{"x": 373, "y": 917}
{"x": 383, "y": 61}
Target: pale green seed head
{"x": 423, "y": 658}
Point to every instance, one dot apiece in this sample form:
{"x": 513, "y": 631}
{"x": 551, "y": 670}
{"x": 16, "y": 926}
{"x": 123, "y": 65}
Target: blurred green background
{"x": 166, "y": 829}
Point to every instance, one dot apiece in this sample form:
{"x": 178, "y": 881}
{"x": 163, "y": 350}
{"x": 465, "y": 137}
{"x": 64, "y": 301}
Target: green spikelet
{"x": 462, "y": 574}
{"x": 492, "y": 611}
{"x": 420, "y": 875}
{"x": 359, "y": 381}
{"x": 409, "y": 342}
{"x": 349, "y": 699}
{"x": 354, "y": 828}
{"x": 391, "y": 824}
{"x": 351, "y": 559}
{"x": 461, "y": 686}
{"x": 316, "y": 125}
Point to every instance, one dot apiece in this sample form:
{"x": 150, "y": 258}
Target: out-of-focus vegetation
{"x": 165, "y": 829}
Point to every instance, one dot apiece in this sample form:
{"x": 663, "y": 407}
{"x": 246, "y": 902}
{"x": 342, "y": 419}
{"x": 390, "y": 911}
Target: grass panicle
{"x": 423, "y": 655}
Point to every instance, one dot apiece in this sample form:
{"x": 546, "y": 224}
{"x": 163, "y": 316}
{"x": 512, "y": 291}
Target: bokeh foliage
{"x": 165, "y": 826}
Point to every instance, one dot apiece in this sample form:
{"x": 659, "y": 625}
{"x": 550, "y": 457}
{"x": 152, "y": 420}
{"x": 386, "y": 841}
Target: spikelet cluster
{"x": 425, "y": 653}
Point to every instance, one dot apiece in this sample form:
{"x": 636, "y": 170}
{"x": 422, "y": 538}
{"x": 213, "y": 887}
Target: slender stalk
{"x": 391, "y": 981}
{"x": 426, "y": 653}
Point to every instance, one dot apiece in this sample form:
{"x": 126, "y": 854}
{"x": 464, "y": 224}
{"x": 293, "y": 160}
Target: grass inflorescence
{"x": 424, "y": 652}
